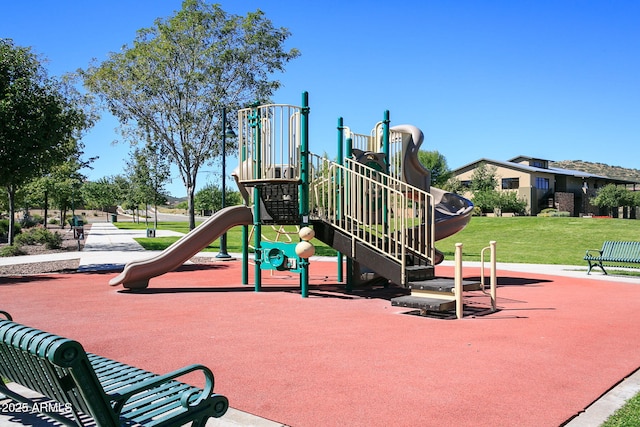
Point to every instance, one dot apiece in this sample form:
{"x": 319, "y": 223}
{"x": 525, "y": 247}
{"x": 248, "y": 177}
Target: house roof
{"x": 532, "y": 169}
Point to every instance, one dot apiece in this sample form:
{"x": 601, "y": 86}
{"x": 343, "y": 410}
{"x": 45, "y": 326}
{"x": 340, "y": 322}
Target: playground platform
{"x": 558, "y": 343}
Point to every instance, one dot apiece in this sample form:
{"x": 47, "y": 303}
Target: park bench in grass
{"x": 88, "y": 389}
{"x": 614, "y": 254}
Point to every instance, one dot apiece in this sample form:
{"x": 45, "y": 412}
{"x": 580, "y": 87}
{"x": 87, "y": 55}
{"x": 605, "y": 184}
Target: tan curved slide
{"x": 136, "y": 274}
{"x": 452, "y": 211}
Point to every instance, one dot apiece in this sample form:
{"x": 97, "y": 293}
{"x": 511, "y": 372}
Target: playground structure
{"x": 374, "y": 204}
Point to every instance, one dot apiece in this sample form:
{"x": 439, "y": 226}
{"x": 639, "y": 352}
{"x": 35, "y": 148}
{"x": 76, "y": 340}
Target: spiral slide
{"x": 452, "y": 211}
{"x": 136, "y": 274}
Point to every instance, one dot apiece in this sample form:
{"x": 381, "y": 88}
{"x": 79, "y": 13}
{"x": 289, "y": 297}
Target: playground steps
{"x": 369, "y": 256}
{"x": 419, "y": 273}
{"x": 443, "y": 285}
{"x": 436, "y": 294}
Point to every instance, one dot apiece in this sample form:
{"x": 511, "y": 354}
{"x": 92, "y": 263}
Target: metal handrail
{"x": 269, "y": 136}
{"x": 493, "y": 275}
{"x": 377, "y": 210}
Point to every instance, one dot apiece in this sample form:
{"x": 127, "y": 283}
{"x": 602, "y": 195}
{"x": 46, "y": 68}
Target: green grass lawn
{"x": 539, "y": 240}
{"x": 234, "y": 237}
{"x": 627, "y": 416}
{"x": 532, "y": 240}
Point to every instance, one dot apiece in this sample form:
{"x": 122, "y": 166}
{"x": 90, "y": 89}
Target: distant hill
{"x": 615, "y": 172}
{"x": 175, "y": 200}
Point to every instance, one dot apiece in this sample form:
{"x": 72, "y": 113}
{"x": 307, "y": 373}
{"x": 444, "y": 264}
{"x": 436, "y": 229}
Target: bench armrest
{"x": 6, "y": 315}
{"x": 593, "y": 250}
{"x": 186, "y": 400}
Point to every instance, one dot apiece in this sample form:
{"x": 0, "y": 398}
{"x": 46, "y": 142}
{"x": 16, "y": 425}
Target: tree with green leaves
{"x": 454, "y": 185}
{"x": 101, "y": 194}
{"x": 436, "y": 163}
{"x": 483, "y": 187}
{"x": 209, "y": 198}
{"x": 172, "y": 84}
{"x": 40, "y": 122}
{"x": 484, "y": 178}
{"x": 612, "y": 196}
{"x": 149, "y": 173}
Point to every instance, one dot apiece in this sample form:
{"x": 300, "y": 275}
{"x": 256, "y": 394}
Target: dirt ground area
{"x": 69, "y": 244}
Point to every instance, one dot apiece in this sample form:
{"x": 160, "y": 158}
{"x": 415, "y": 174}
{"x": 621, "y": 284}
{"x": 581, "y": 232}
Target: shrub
{"x": 53, "y": 240}
{"x": 4, "y": 229}
{"x": 550, "y": 212}
{"x": 30, "y": 221}
{"x": 477, "y": 211}
{"x": 25, "y": 239}
{"x": 508, "y": 202}
{"x": 12, "y": 250}
{"x": 40, "y": 235}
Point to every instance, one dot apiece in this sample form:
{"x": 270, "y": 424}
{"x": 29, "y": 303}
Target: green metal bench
{"x": 614, "y": 254}
{"x": 88, "y": 389}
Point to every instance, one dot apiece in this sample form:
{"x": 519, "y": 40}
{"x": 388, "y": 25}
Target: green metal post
{"x": 340, "y": 187}
{"x": 257, "y": 173}
{"x": 257, "y": 230}
{"x": 385, "y": 139}
{"x": 304, "y": 187}
{"x": 347, "y": 195}
{"x": 245, "y": 254}
{"x": 385, "y": 150}
{"x": 245, "y": 233}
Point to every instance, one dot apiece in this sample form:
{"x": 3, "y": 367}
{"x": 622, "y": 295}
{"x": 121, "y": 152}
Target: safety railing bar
{"x": 356, "y": 222}
{"x": 493, "y": 274}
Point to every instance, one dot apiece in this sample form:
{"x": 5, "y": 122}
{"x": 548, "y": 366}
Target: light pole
{"x": 227, "y": 131}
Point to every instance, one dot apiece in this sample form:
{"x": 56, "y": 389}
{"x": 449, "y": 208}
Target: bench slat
{"x": 614, "y": 254}
{"x": 111, "y": 392}
{"x": 150, "y": 406}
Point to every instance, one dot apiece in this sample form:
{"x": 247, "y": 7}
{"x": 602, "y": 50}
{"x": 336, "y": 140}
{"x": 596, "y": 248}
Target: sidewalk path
{"x": 109, "y": 248}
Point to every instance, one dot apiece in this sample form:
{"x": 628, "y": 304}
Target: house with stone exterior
{"x": 543, "y": 186}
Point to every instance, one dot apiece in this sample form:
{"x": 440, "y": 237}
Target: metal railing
{"x": 375, "y": 209}
{"x": 269, "y": 143}
{"x": 373, "y": 142}
{"x": 458, "y": 286}
{"x": 493, "y": 280}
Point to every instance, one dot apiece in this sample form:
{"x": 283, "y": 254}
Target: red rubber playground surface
{"x": 338, "y": 359}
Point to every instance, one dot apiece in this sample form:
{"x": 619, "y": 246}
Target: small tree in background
{"x": 484, "y": 178}
{"x": 150, "y": 171}
{"x": 611, "y": 197}
{"x": 40, "y": 121}
{"x": 483, "y": 186}
{"x": 436, "y": 163}
{"x": 101, "y": 194}
{"x": 454, "y": 185}
{"x": 210, "y": 198}
{"x": 508, "y": 201}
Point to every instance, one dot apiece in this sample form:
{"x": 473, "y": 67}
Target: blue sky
{"x": 557, "y": 79}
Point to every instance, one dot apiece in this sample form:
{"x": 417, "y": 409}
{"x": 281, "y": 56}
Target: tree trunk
{"x": 11, "y": 193}
{"x": 46, "y": 207}
{"x": 155, "y": 215}
{"x": 191, "y": 208}
{"x": 63, "y": 215}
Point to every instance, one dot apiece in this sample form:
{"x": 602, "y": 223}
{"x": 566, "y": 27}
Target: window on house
{"x": 542, "y": 183}
{"x": 538, "y": 164}
{"x": 510, "y": 183}
{"x": 466, "y": 184}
